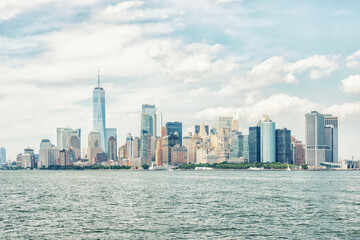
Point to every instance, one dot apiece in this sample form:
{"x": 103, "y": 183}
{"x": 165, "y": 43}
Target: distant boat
{"x": 254, "y": 169}
{"x": 203, "y": 169}
{"x": 288, "y": 168}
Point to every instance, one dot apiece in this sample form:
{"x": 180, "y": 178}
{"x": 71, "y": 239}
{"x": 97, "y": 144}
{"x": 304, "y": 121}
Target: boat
{"x": 254, "y": 169}
{"x": 203, "y": 169}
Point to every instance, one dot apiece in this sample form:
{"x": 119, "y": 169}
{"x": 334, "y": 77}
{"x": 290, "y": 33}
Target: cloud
{"x": 190, "y": 80}
{"x": 277, "y": 104}
{"x": 276, "y": 70}
{"x": 199, "y": 92}
{"x": 353, "y": 61}
{"x": 345, "y": 110}
{"x": 10, "y": 8}
{"x": 351, "y": 84}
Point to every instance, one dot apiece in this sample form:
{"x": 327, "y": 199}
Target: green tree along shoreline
{"x": 226, "y": 165}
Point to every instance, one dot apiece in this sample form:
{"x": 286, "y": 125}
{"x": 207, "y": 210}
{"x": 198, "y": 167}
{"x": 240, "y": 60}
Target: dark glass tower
{"x": 254, "y": 144}
{"x": 175, "y": 127}
{"x": 283, "y": 145}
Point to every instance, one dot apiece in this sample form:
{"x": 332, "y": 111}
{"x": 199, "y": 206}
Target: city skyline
{"x": 151, "y": 54}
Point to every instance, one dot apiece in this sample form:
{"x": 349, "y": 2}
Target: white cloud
{"x": 351, "y": 84}
{"x": 11, "y": 8}
{"x": 319, "y": 66}
{"x": 190, "y": 80}
{"x": 276, "y": 70}
{"x": 199, "y": 92}
{"x": 277, "y": 104}
{"x": 345, "y": 110}
{"x": 353, "y": 61}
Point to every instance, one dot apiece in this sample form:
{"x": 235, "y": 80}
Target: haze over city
{"x": 196, "y": 61}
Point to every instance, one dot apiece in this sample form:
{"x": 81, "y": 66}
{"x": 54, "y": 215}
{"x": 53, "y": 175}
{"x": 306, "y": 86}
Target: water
{"x": 179, "y": 205}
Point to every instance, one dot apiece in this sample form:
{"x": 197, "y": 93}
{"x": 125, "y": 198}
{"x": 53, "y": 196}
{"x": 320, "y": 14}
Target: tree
{"x": 145, "y": 166}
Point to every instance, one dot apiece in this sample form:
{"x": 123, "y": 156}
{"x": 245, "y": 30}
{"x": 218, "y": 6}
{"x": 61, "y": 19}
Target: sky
{"x": 196, "y": 60}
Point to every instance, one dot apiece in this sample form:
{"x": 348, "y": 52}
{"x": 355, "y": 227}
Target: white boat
{"x": 203, "y": 169}
{"x": 288, "y": 168}
{"x": 254, "y": 169}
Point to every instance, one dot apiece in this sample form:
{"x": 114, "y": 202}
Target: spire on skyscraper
{"x": 98, "y": 77}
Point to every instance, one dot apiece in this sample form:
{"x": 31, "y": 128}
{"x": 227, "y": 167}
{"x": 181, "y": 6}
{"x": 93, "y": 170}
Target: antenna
{"x": 98, "y": 77}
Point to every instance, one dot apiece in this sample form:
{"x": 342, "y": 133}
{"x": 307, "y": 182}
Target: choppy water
{"x": 179, "y": 205}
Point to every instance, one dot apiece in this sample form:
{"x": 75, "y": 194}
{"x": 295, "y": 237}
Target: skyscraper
{"x": 99, "y": 117}
{"x": 111, "y": 139}
{"x": 315, "y": 149}
{"x": 225, "y": 123}
{"x": 331, "y": 137}
{"x": 254, "y": 144}
{"x": 283, "y": 145}
{"x": 146, "y": 124}
{"x": 136, "y": 147}
{"x": 151, "y": 118}
{"x": 2, "y": 155}
{"x": 68, "y": 137}
{"x": 129, "y": 146}
{"x": 45, "y": 144}
{"x": 267, "y": 142}
{"x": 197, "y": 129}
{"x": 235, "y": 124}
{"x": 112, "y": 149}
{"x": 237, "y": 143}
{"x": 158, "y": 122}
{"x": 94, "y": 145}
{"x": 175, "y": 128}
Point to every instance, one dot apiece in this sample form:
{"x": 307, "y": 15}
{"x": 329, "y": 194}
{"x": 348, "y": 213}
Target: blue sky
{"x": 196, "y": 60}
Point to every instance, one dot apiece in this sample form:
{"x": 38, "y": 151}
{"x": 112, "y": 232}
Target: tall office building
{"x": 254, "y": 144}
{"x": 175, "y": 128}
{"x": 237, "y": 143}
{"x": 331, "y": 137}
{"x": 235, "y": 124}
{"x": 225, "y": 123}
{"x": 197, "y": 129}
{"x": 158, "y": 122}
{"x": 146, "y": 124}
{"x": 129, "y": 146}
{"x": 68, "y": 137}
{"x": 315, "y": 149}
{"x": 246, "y": 148}
{"x": 29, "y": 151}
{"x": 145, "y": 149}
{"x": 112, "y": 149}
{"x": 150, "y": 119}
{"x": 136, "y": 147}
{"x": 111, "y": 140}
{"x": 45, "y": 144}
{"x": 298, "y": 152}
{"x": 94, "y": 145}
{"x": 283, "y": 145}
{"x": 99, "y": 117}
{"x": 267, "y": 140}
{"x": 2, "y": 155}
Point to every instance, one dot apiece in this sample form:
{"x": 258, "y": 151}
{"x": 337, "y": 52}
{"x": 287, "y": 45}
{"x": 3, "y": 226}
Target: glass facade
{"x": 146, "y": 124}
{"x": 151, "y": 111}
{"x": 175, "y": 127}
{"x": 2, "y": 155}
{"x": 99, "y": 122}
{"x": 283, "y": 146}
{"x": 267, "y": 145}
{"x": 254, "y": 144}
{"x": 237, "y": 146}
{"x": 315, "y": 139}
